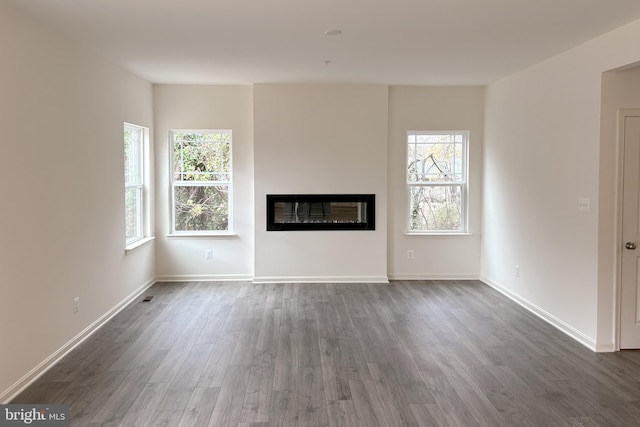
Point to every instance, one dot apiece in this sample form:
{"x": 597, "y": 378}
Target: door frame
{"x": 618, "y": 238}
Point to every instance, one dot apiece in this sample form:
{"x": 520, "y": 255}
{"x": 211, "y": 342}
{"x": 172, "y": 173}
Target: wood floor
{"x": 409, "y": 353}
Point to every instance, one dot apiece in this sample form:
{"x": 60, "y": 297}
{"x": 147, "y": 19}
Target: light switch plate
{"x": 584, "y": 204}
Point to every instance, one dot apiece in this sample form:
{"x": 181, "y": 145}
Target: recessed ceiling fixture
{"x": 334, "y": 32}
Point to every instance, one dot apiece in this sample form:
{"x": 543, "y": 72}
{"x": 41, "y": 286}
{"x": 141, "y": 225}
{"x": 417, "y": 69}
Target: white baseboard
{"x": 24, "y": 382}
{"x": 559, "y": 324}
{"x": 320, "y": 279}
{"x": 418, "y": 276}
{"x": 606, "y": 348}
{"x": 206, "y": 278}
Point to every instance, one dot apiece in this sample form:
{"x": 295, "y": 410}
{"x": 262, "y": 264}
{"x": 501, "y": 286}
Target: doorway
{"x": 629, "y": 299}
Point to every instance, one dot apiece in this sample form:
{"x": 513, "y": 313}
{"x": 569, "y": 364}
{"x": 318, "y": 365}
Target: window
{"x": 134, "y": 182}
{"x": 437, "y": 181}
{"x": 202, "y": 181}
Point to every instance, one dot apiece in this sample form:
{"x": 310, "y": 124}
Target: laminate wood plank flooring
{"x": 410, "y": 353}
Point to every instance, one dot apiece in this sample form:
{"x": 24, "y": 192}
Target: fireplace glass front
{"x": 320, "y": 212}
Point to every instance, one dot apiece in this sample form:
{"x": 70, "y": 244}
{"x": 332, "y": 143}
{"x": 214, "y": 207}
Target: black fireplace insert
{"x": 321, "y": 212}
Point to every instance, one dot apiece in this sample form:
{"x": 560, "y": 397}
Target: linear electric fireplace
{"x": 321, "y": 212}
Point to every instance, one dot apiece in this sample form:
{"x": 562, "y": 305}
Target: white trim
{"x": 439, "y": 234}
{"x": 422, "y": 276}
{"x": 206, "y": 278}
{"x": 321, "y": 279}
{"x": 138, "y": 243}
{"x": 618, "y": 236}
{"x": 559, "y": 324}
{"x": 55, "y": 357}
{"x": 606, "y": 348}
{"x": 189, "y": 234}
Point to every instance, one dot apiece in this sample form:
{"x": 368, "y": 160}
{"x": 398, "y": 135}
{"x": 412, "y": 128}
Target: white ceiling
{"x": 412, "y": 42}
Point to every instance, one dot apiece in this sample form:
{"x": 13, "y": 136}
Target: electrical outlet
{"x": 410, "y": 254}
{"x": 76, "y": 304}
{"x": 208, "y": 254}
{"x": 516, "y": 270}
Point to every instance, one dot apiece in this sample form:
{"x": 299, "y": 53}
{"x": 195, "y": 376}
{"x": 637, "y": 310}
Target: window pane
{"x": 133, "y": 203}
{"x": 202, "y": 208}
{"x": 435, "y": 162}
{"x": 435, "y": 208}
{"x": 132, "y": 156}
{"x": 202, "y": 157}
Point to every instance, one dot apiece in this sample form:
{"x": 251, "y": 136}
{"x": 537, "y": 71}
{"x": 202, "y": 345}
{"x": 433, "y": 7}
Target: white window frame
{"x": 175, "y": 183}
{"x": 140, "y": 185}
{"x": 463, "y": 183}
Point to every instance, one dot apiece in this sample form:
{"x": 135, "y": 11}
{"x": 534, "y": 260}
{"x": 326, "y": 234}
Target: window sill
{"x": 138, "y": 243}
{"x": 446, "y": 234}
{"x": 219, "y": 234}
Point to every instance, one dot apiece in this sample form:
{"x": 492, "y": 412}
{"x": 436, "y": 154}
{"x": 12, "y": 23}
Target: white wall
{"x": 316, "y": 138}
{"x": 433, "y": 108}
{"x": 62, "y": 169}
{"x": 543, "y": 152}
{"x": 206, "y": 107}
{"x": 320, "y": 139}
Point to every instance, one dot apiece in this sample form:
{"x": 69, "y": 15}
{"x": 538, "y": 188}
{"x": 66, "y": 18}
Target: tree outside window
{"x": 202, "y": 180}
{"x": 437, "y": 181}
